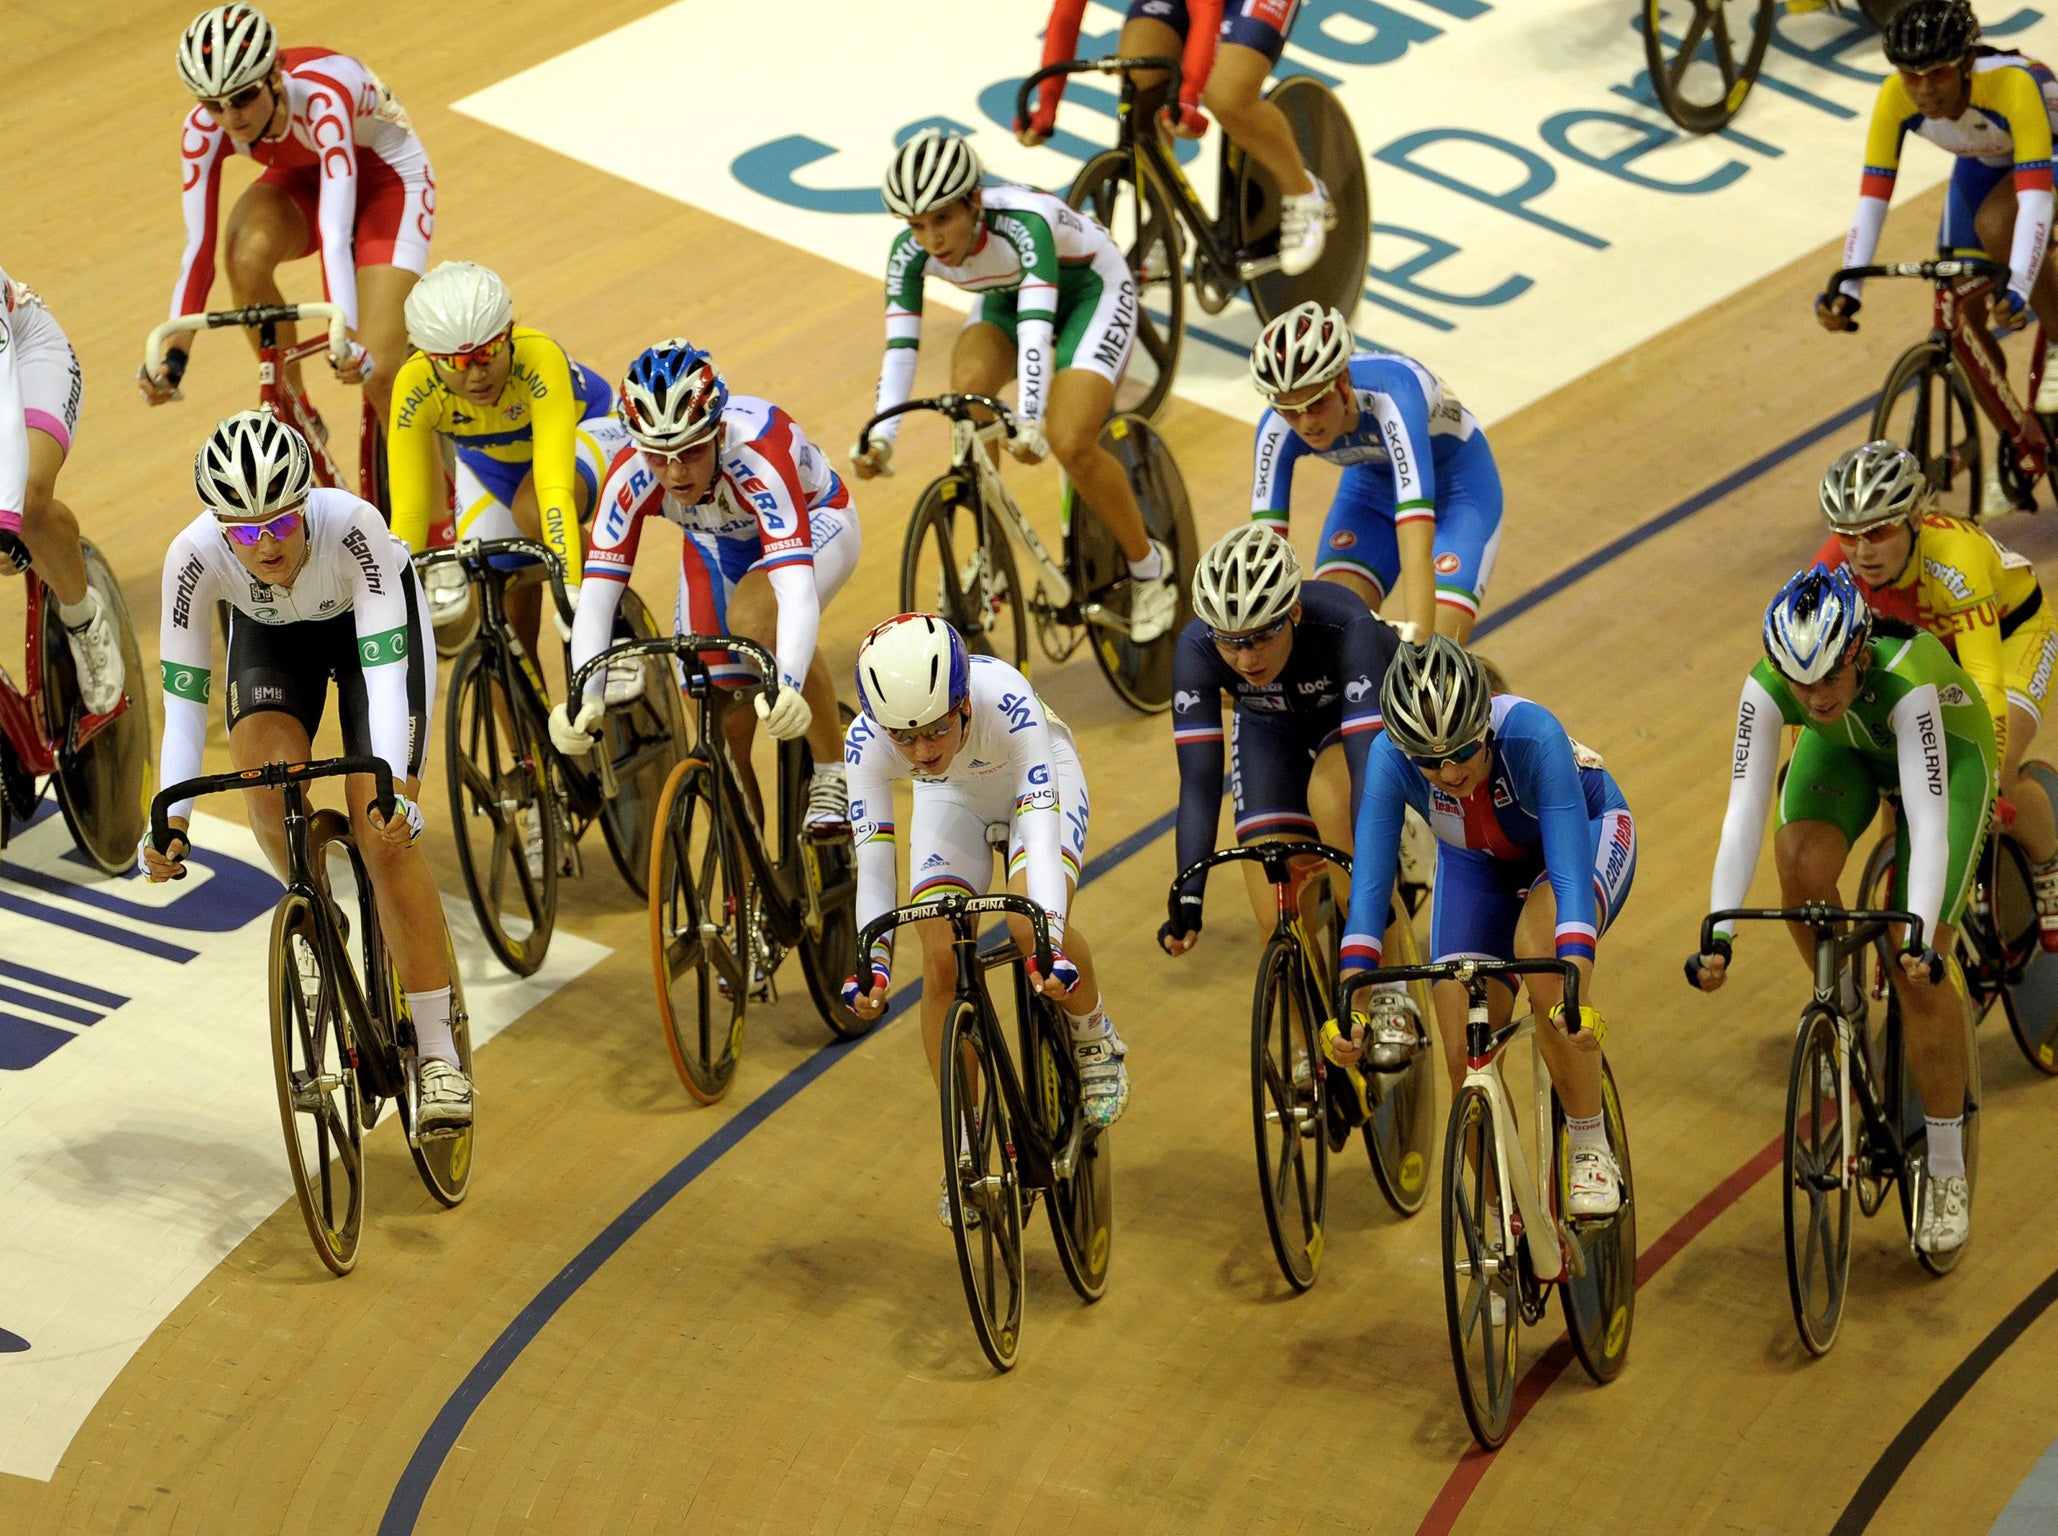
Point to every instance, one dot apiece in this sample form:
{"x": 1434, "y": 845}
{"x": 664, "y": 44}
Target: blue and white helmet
{"x": 912, "y": 671}
{"x": 1816, "y": 624}
{"x": 673, "y": 396}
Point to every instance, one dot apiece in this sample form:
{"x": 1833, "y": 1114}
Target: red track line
{"x": 1465, "y": 1477}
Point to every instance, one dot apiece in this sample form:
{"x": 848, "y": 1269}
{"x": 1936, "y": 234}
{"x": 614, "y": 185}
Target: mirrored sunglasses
{"x": 250, "y": 535}
{"x": 471, "y": 357}
{"x": 936, "y": 732}
{"x": 1878, "y": 533}
{"x": 1464, "y": 754}
{"x": 216, "y": 106}
{"x": 1250, "y": 640}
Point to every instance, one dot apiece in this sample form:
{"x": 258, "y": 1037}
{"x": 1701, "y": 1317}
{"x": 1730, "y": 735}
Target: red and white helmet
{"x": 1301, "y": 349}
{"x": 226, "y": 48}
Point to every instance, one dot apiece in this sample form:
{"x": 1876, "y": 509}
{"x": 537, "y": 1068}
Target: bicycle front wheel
{"x": 317, "y": 1087}
{"x": 1146, "y": 229}
{"x": 642, "y": 740}
{"x": 1926, "y": 404}
{"x": 699, "y": 943}
{"x": 1818, "y": 1196}
{"x": 1600, "y": 1305}
{"x": 1482, "y": 1302}
{"x": 1941, "y": 1264}
{"x": 1082, "y": 1201}
{"x": 957, "y": 562}
{"x": 1141, "y": 675}
{"x": 1704, "y": 56}
{"x": 1329, "y": 147}
{"x": 103, "y": 788}
{"x": 1287, "y": 1115}
{"x": 982, "y": 1186}
{"x": 499, "y": 794}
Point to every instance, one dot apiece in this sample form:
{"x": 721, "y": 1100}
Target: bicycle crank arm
{"x": 1261, "y": 266}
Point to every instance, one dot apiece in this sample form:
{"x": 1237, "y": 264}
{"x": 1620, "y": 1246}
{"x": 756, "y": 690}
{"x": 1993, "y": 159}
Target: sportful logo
{"x": 1949, "y": 577}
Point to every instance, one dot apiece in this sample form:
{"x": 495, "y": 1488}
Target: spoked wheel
{"x": 1287, "y": 1115}
{"x": 1147, "y": 232}
{"x": 1600, "y": 1305}
{"x": 826, "y": 883}
{"x": 1482, "y": 1304}
{"x": 699, "y": 941}
{"x": 1329, "y": 146}
{"x": 318, "y": 1107}
{"x": 498, "y": 791}
{"x": 103, "y": 788}
{"x": 957, "y": 562}
{"x": 984, "y": 1190}
{"x": 1704, "y": 56}
{"x": 1818, "y": 1198}
{"x": 642, "y": 739}
{"x": 1927, "y": 405}
{"x": 1943, "y": 1263}
{"x": 1140, "y": 674}
{"x": 1082, "y": 1194}
{"x": 1402, "y": 1131}
{"x": 2032, "y": 1002}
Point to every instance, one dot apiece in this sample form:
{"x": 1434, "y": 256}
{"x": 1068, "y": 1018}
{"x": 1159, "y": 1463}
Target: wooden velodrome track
{"x": 776, "y": 1340}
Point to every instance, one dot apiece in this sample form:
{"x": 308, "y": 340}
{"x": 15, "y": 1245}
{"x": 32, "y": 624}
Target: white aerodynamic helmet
{"x": 932, "y": 170}
{"x": 225, "y": 48}
{"x": 912, "y": 671}
{"x": 458, "y": 306}
{"x": 1301, "y": 349}
{"x": 1247, "y": 579}
{"x": 252, "y": 466}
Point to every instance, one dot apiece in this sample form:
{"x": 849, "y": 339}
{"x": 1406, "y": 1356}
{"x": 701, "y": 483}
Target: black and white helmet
{"x": 253, "y": 466}
{"x": 932, "y": 170}
{"x": 226, "y": 47}
{"x": 1305, "y": 347}
{"x": 1874, "y": 483}
{"x": 1926, "y": 33}
{"x": 1437, "y": 698}
{"x": 1247, "y": 579}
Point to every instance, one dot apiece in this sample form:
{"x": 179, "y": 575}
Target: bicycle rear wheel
{"x": 956, "y": 562}
{"x": 1287, "y": 1113}
{"x": 317, "y": 1087}
{"x": 1329, "y": 147}
{"x": 1704, "y": 56}
{"x": 826, "y": 879}
{"x": 1600, "y": 1305}
{"x": 1927, "y": 405}
{"x": 1401, "y": 1134}
{"x": 642, "y": 741}
{"x": 699, "y": 942}
{"x": 1140, "y": 674}
{"x": 983, "y": 1187}
{"x": 498, "y": 789}
{"x": 1482, "y": 1304}
{"x": 2032, "y": 1002}
{"x": 1147, "y": 230}
{"x": 103, "y": 788}
{"x": 1082, "y": 1202}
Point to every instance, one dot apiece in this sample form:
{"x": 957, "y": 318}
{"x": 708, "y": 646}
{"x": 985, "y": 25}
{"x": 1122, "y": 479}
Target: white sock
{"x": 1150, "y": 568}
{"x": 431, "y": 1014}
{"x": 81, "y": 613}
{"x": 1946, "y": 1147}
{"x": 1093, "y": 1025}
{"x": 1589, "y": 1134}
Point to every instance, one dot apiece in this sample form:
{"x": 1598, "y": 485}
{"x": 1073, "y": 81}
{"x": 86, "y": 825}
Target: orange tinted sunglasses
{"x": 471, "y": 357}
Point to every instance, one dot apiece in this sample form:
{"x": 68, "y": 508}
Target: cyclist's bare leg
{"x": 1079, "y": 1002}
{"x": 939, "y": 990}
{"x": 1449, "y": 1000}
{"x": 48, "y": 526}
{"x": 382, "y": 328}
{"x": 1574, "y": 1065}
{"x": 1080, "y": 402}
{"x": 269, "y": 736}
{"x": 1933, "y": 1026}
{"x": 525, "y": 605}
{"x": 2036, "y": 828}
{"x": 265, "y": 228}
{"x": 982, "y": 362}
{"x": 410, "y": 910}
{"x": 1811, "y": 856}
{"x": 1262, "y": 130}
{"x": 1145, "y": 38}
{"x": 1995, "y": 222}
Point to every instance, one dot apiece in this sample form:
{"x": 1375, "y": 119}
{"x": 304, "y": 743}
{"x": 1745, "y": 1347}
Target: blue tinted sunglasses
{"x": 1464, "y": 754}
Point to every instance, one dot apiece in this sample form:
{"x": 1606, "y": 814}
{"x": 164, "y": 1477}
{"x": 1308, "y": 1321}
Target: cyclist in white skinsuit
{"x": 982, "y": 752}
{"x": 40, "y": 391}
{"x": 319, "y": 588}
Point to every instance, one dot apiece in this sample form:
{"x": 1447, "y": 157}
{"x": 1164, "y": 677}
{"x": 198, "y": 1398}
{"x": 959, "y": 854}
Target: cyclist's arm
{"x": 1197, "y": 743}
{"x": 631, "y": 493}
{"x": 2021, "y": 103}
{"x": 1040, "y": 819}
{"x": 190, "y": 593}
{"x": 1754, "y": 773}
{"x": 1273, "y": 453}
{"x": 1369, "y": 646}
{"x": 1919, "y": 742}
{"x": 203, "y": 149}
{"x": 780, "y": 504}
{"x": 870, "y": 780}
{"x": 385, "y": 641}
{"x": 414, "y": 460}
{"x": 1376, "y": 853}
{"x": 332, "y": 124}
{"x": 906, "y": 265}
{"x": 1036, "y": 310}
{"x": 1203, "y": 26}
{"x": 1893, "y": 113}
{"x": 1402, "y": 412}
{"x": 1060, "y": 43}
{"x": 554, "y": 450}
{"x": 14, "y": 430}
{"x": 1540, "y": 751}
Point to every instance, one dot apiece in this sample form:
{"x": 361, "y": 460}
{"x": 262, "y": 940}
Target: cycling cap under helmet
{"x": 1436, "y": 699}
{"x": 252, "y": 466}
{"x": 1301, "y": 349}
{"x": 226, "y": 48}
{"x": 1816, "y": 624}
{"x": 931, "y": 170}
{"x": 1926, "y": 33}
{"x": 1874, "y": 483}
{"x": 458, "y": 306}
{"x": 1247, "y": 579}
{"x": 912, "y": 671}
{"x": 673, "y": 396}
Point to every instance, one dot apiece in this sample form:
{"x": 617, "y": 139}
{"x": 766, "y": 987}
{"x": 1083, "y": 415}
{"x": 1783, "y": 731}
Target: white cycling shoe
{"x": 1396, "y": 1032}
{"x": 96, "y": 657}
{"x": 624, "y": 683}
{"x": 1304, "y": 225}
{"x": 1103, "y": 1076}
{"x": 1153, "y": 605}
{"x": 449, "y": 592}
{"x": 1947, "y": 1215}
{"x": 1596, "y": 1185}
{"x": 446, "y": 1102}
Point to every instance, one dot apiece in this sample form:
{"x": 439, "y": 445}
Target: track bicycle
{"x": 1138, "y": 193}
{"x": 1705, "y": 55}
{"x": 1500, "y": 1258}
{"x": 956, "y": 560}
{"x": 99, "y": 765}
{"x": 1297, "y": 1117}
{"x": 342, "y": 1041}
{"x": 1000, "y": 1140}
{"x": 1951, "y": 378}
{"x": 511, "y": 790}
{"x": 1842, "y": 1065}
{"x": 728, "y": 899}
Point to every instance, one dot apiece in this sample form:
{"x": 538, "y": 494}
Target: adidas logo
{"x": 934, "y": 861}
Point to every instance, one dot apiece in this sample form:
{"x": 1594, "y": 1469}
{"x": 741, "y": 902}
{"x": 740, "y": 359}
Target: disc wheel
{"x": 1482, "y": 1304}
{"x": 826, "y": 880}
{"x": 1140, "y": 674}
{"x": 642, "y": 740}
{"x": 1401, "y": 1135}
{"x": 2032, "y": 1001}
{"x": 983, "y": 1188}
{"x": 957, "y": 562}
{"x": 499, "y": 789}
{"x": 1287, "y": 1113}
{"x": 1600, "y": 1305}
{"x": 1146, "y": 230}
{"x": 1927, "y": 405}
{"x": 103, "y": 788}
{"x": 1082, "y": 1202}
{"x": 1329, "y": 148}
{"x": 317, "y": 1090}
{"x": 699, "y": 939}
{"x": 1704, "y": 56}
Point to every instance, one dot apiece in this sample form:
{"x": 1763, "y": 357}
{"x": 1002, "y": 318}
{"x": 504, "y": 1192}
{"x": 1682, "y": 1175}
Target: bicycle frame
{"x": 21, "y": 713}
{"x": 1277, "y": 859}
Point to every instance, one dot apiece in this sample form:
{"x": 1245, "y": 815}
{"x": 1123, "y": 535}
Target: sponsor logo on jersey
{"x": 1397, "y": 450}
{"x": 1618, "y": 850}
{"x": 1447, "y": 563}
{"x": 1270, "y": 703}
{"x": 1949, "y": 577}
{"x": 857, "y": 810}
{"x": 934, "y": 861}
{"x": 261, "y": 694}
{"x": 1039, "y": 773}
{"x": 1951, "y": 693}
{"x": 1114, "y": 341}
{"x": 1315, "y": 685}
{"x": 1503, "y": 792}
{"x": 1932, "y": 753}
{"x": 2047, "y": 653}
{"x": 1185, "y": 699}
{"x": 1016, "y": 707}
{"x": 182, "y": 597}
{"x": 360, "y": 550}
{"x": 1343, "y": 538}
{"x": 1357, "y": 688}
{"x": 1746, "y": 723}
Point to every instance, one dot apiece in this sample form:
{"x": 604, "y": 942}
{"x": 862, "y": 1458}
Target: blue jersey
{"x": 1536, "y": 808}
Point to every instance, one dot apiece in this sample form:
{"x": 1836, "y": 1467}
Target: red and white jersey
{"x": 344, "y": 127}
